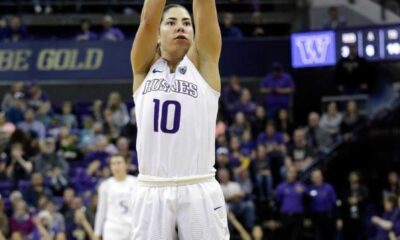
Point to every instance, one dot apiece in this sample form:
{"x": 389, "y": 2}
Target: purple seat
{"x": 82, "y": 108}
{"x": 23, "y": 185}
{"x": 5, "y": 188}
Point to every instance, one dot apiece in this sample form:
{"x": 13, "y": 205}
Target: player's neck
{"x": 172, "y": 60}
{"x": 120, "y": 178}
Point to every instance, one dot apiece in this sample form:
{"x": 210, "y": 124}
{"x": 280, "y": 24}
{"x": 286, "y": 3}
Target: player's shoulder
{"x": 103, "y": 185}
{"x": 131, "y": 178}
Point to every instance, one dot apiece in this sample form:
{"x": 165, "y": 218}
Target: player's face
{"x": 118, "y": 166}
{"x": 176, "y": 30}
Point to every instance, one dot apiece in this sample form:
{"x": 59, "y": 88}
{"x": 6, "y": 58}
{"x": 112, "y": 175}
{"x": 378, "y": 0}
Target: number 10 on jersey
{"x": 165, "y": 108}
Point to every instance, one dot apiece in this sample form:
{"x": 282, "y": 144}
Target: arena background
{"x": 49, "y": 50}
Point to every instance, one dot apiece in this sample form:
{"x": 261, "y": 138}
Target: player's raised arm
{"x": 208, "y": 37}
{"x": 208, "y": 34}
{"x": 145, "y": 43}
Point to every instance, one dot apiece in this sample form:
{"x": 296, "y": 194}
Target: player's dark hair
{"x": 170, "y": 6}
{"x": 126, "y": 160}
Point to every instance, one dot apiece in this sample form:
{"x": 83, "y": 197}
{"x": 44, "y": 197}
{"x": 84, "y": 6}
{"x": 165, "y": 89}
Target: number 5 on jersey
{"x": 165, "y": 110}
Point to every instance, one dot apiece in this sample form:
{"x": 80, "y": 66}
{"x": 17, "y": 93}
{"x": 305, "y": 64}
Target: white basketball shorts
{"x": 191, "y": 209}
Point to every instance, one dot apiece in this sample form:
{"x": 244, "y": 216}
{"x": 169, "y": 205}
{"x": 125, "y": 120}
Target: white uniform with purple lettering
{"x": 113, "y": 215}
{"x": 176, "y": 116}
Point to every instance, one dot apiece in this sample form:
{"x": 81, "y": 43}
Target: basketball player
{"x": 176, "y": 89}
{"x": 113, "y": 218}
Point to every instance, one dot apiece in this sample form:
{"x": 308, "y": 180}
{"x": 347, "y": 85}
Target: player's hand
{"x": 96, "y": 238}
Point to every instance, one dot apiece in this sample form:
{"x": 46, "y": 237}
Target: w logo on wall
{"x": 313, "y": 49}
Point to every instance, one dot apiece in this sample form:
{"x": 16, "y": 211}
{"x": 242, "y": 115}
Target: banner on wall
{"x": 70, "y": 60}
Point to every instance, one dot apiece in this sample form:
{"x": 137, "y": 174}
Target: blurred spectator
{"x": 85, "y": 34}
{"x": 277, "y": 88}
{"x": 21, "y": 221}
{"x": 80, "y": 227}
{"x": 38, "y": 7}
{"x": 32, "y": 126}
{"x": 331, "y": 120}
{"x": 351, "y": 120}
{"x": 247, "y": 142}
{"x": 299, "y": 151}
{"x": 290, "y": 197}
{"x": 222, "y": 160}
{"x": 97, "y": 110}
{"x": 393, "y": 186}
{"x": 110, "y": 128}
{"x": 284, "y": 124}
{"x": 335, "y": 21}
{"x": 109, "y": 32}
{"x": 3, "y": 25}
{"x": 36, "y": 96}
{"x": 234, "y": 196}
{"x": 258, "y": 22}
{"x": 238, "y": 158}
{"x": 245, "y": 104}
{"x": 15, "y": 32}
{"x": 36, "y": 190}
{"x": 323, "y": 207}
{"x": 16, "y": 91}
{"x": 390, "y": 219}
{"x": 6, "y": 130}
{"x": 44, "y": 114}
{"x": 272, "y": 139}
{"x": 353, "y": 73}
{"x": 130, "y": 130}
{"x": 354, "y": 208}
{"x": 231, "y": 93}
{"x": 259, "y": 121}
{"x": 99, "y": 154}
{"x": 3, "y": 167}
{"x": 44, "y": 229}
{"x": 89, "y": 140}
{"x": 318, "y": 139}
{"x": 58, "y": 221}
{"x": 54, "y": 127}
{"x": 239, "y": 125}
{"x": 68, "y": 146}
{"x": 123, "y": 150}
{"x": 68, "y": 197}
{"x": 275, "y": 148}
{"x": 18, "y": 168}
{"x": 15, "y": 197}
{"x": 228, "y": 29}
{"x": 246, "y": 184}
{"x": 4, "y": 222}
{"x": 119, "y": 111}
{"x": 15, "y": 113}
{"x": 68, "y": 118}
{"x": 53, "y": 166}
{"x": 263, "y": 176}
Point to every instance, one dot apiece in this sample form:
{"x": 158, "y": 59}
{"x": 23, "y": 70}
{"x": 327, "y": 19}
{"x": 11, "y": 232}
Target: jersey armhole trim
{"x": 213, "y": 91}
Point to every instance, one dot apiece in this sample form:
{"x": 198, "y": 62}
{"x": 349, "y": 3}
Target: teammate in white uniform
{"x": 176, "y": 89}
{"x": 113, "y": 216}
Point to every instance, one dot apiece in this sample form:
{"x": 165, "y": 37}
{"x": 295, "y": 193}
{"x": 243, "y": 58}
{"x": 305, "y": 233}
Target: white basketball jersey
{"x": 176, "y": 116}
{"x": 114, "y": 203}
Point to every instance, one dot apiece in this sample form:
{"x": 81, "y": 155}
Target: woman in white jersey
{"x": 176, "y": 89}
{"x": 113, "y": 216}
